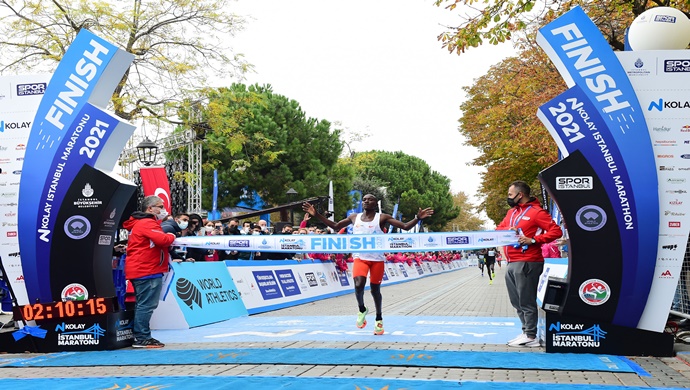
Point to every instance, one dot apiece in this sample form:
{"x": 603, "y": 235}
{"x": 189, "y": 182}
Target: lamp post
{"x": 146, "y": 152}
{"x": 291, "y": 193}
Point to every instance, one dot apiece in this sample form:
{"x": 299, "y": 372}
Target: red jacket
{"x": 535, "y": 223}
{"x": 147, "y": 246}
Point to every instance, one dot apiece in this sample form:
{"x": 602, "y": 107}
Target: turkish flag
{"x": 155, "y": 182}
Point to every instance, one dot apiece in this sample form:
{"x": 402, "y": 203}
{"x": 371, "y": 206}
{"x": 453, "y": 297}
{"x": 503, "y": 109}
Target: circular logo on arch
{"x": 594, "y": 292}
{"x": 77, "y": 227}
{"x": 590, "y": 218}
{"x": 74, "y": 292}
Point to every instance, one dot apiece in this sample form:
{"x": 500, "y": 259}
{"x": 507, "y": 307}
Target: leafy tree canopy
{"x": 261, "y": 141}
{"x": 499, "y": 118}
{"x": 411, "y": 179}
{"x": 499, "y": 115}
{"x": 497, "y": 21}
{"x": 177, "y": 44}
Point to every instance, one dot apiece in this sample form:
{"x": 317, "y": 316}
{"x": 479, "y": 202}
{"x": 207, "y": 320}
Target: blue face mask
{"x": 183, "y": 224}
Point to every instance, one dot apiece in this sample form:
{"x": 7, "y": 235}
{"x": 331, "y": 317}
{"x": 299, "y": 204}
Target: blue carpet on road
{"x": 366, "y": 357}
{"x": 269, "y": 383}
{"x": 423, "y": 329}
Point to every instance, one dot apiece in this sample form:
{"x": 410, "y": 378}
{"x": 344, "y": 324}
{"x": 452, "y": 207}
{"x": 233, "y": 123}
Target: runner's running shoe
{"x": 361, "y": 319}
{"x": 378, "y": 329}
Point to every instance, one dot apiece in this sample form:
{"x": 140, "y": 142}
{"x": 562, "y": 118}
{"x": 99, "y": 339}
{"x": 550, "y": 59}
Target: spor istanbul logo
{"x": 594, "y": 292}
{"x": 591, "y": 218}
{"x": 77, "y": 227}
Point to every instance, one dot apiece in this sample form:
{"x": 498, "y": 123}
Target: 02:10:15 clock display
{"x": 66, "y": 309}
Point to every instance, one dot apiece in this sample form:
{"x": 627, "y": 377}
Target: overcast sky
{"x": 376, "y": 67}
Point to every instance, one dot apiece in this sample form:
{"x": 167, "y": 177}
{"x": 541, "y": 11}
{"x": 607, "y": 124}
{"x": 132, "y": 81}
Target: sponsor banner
{"x": 268, "y": 285}
{"x": 85, "y": 228}
{"x": 154, "y": 181}
{"x": 594, "y": 234}
{"x": 199, "y": 294}
{"x": 584, "y": 58}
{"x": 88, "y": 333}
{"x": 342, "y": 243}
{"x": 575, "y": 124}
{"x": 566, "y": 334}
{"x": 87, "y": 74}
{"x": 294, "y": 282}
{"x": 19, "y": 99}
{"x": 661, "y": 84}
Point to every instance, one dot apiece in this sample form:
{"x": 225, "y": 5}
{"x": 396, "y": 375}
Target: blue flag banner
{"x": 215, "y": 214}
{"x": 584, "y": 58}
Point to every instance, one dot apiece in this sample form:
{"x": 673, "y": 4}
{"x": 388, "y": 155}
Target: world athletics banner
{"x": 71, "y": 130}
{"x": 345, "y": 243}
{"x": 585, "y": 59}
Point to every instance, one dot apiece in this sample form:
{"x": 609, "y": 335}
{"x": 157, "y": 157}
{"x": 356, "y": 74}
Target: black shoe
{"x": 150, "y": 343}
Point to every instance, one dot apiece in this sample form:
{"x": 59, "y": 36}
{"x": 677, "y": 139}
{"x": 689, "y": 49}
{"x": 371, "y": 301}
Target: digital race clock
{"x": 66, "y": 309}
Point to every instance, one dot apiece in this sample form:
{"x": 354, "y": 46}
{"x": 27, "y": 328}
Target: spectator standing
{"x": 525, "y": 261}
{"x": 200, "y": 254}
{"x": 177, "y": 226}
{"x": 147, "y": 261}
{"x": 231, "y": 230}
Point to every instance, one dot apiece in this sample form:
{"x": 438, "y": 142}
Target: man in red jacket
{"x": 146, "y": 262}
{"x": 525, "y": 261}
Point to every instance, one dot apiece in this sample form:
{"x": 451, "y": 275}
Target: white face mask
{"x": 208, "y": 229}
{"x": 162, "y": 214}
{"x": 256, "y": 233}
{"x": 183, "y": 224}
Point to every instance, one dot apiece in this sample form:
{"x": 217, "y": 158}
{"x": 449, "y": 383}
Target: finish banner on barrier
{"x": 344, "y": 243}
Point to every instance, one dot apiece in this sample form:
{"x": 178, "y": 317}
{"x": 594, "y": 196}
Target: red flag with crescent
{"x": 154, "y": 180}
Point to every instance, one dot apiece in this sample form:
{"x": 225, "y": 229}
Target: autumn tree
{"x": 177, "y": 45}
{"x": 269, "y": 147}
{"x": 497, "y": 21}
{"x": 412, "y": 180}
{"x": 467, "y": 219}
{"x": 499, "y": 118}
{"x": 499, "y": 115}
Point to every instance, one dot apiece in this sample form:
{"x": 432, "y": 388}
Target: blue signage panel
{"x": 575, "y": 124}
{"x": 206, "y": 293}
{"x": 584, "y": 58}
{"x": 287, "y": 282}
{"x": 268, "y": 285}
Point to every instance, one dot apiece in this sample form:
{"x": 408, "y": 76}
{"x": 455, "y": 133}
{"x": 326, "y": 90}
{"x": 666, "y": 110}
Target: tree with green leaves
{"x": 269, "y": 147}
{"x": 412, "y": 180}
{"x": 177, "y": 45}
